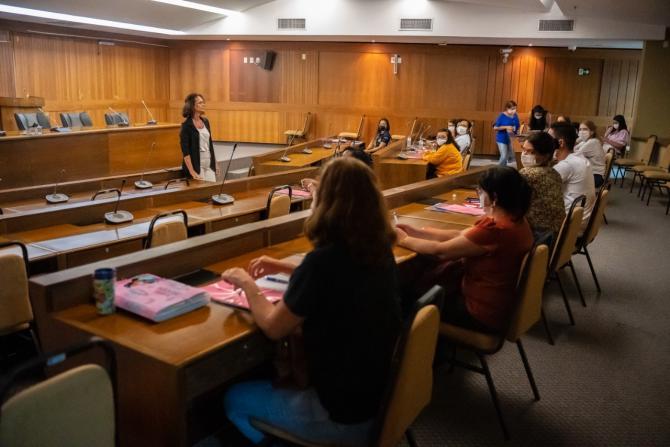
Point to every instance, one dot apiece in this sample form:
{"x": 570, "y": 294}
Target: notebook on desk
{"x": 272, "y": 286}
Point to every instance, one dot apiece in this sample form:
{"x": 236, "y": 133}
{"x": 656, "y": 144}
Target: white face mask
{"x": 615, "y": 125}
{"x": 441, "y": 141}
{"x": 528, "y": 160}
{"x": 462, "y": 130}
{"x": 538, "y": 117}
{"x": 584, "y": 134}
{"x": 482, "y": 199}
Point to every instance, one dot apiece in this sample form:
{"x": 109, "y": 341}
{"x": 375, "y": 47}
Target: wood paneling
{"x": 78, "y": 74}
{"x": 6, "y": 65}
{"x": 250, "y": 82}
{"x": 565, "y": 92}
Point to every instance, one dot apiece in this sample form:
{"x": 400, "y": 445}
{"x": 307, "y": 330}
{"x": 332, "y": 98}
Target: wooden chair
{"x": 16, "y": 313}
{"x": 75, "y": 408}
{"x": 169, "y": 230}
{"x": 624, "y": 165}
{"x": 561, "y": 256}
{"x": 352, "y": 135}
{"x": 655, "y": 176}
{"x": 592, "y": 228}
{"x": 299, "y": 133}
{"x": 526, "y": 313}
{"x": 279, "y": 204}
{"x": 410, "y": 382}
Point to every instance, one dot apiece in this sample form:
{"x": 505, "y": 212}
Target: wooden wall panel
{"x": 619, "y": 87}
{"x": 7, "y": 86}
{"x": 566, "y": 92}
{"x": 251, "y": 83}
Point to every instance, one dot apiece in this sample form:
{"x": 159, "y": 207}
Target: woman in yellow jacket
{"x": 446, "y": 160}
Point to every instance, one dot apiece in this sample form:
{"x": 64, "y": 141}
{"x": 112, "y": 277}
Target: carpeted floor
{"x": 605, "y": 380}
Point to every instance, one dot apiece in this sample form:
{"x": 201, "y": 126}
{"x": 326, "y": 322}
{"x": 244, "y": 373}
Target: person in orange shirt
{"x": 446, "y": 160}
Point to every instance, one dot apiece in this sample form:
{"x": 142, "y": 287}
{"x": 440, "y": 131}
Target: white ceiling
{"x": 598, "y": 23}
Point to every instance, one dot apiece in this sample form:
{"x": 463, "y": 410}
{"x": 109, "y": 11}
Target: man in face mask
{"x": 446, "y": 159}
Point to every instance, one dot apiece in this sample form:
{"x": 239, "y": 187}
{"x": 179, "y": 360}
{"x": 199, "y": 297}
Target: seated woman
{"x": 446, "y": 160}
{"x": 344, "y": 296}
{"x": 588, "y": 146}
{"x": 539, "y": 120}
{"x": 546, "y": 213}
{"x": 491, "y": 253}
{"x": 616, "y": 136}
{"x": 382, "y": 137}
{"x": 463, "y": 138}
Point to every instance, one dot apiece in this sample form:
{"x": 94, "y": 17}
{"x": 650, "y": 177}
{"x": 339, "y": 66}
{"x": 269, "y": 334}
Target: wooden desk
{"x": 420, "y": 212}
{"x": 165, "y": 369}
{"x": 30, "y": 160}
{"x": 393, "y": 171}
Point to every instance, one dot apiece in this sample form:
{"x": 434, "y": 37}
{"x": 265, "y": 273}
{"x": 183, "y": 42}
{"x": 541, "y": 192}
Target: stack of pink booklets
{"x": 272, "y": 286}
{"x": 295, "y": 192}
{"x": 158, "y": 299}
{"x": 470, "y": 209}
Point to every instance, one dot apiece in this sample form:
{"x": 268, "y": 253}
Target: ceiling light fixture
{"x": 86, "y": 20}
{"x": 199, "y": 6}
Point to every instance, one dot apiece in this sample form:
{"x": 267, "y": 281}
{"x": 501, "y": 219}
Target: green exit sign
{"x": 583, "y": 71}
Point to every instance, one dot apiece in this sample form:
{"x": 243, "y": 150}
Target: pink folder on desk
{"x": 455, "y": 208}
{"x": 225, "y": 293}
{"x": 295, "y": 192}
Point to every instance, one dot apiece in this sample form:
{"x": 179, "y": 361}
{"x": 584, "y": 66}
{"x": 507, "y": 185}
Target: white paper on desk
{"x": 280, "y": 285}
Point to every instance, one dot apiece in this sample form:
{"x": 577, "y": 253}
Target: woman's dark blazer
{"x": 189, "y": 139}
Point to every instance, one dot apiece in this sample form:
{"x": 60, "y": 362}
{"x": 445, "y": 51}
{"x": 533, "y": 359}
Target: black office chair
{"x": 85, "y": 119}
{"x": 25, "y": 120}
{"x": 76, "y": 119}
{"x": 116, "y": 119}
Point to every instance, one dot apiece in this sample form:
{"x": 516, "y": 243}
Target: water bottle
{"x": 103, "y": 290}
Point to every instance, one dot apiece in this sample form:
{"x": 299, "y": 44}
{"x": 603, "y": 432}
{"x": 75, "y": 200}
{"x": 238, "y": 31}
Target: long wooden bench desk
{"x": 321, "y": 150}
{"x": 168, "y": 371}
{"x": 63, "y": 244}
{"x": 393, "y": 171}
{"x": 29, "y": 160}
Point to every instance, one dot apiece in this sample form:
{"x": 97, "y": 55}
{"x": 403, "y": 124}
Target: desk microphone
{"x": 424, "y": 131}
{"x": 124, "y": 122}
{"x": 56, "y": 197}
{"x": 220, "y": 198}
{"x": 283, "y": 157}
{"x": 152, "y": 121}
{"x": 141, "y": 183}
{"x": 118, "y": 216}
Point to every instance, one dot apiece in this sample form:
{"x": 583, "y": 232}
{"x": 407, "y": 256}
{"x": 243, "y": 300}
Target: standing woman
{"x": 382, "y": 138}
{"x": 507, "y": 124}
{"x": 195, "y": 138}
{"x": 589, "y": 147}
{"x": 616, "y": 136}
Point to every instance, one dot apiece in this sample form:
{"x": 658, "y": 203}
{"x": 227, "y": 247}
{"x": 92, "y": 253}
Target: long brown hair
{"x": 189, "y": 105}
{"x": 351, "y": 210}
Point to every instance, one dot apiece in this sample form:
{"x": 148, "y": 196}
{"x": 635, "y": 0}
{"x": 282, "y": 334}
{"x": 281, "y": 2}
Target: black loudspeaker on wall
{"x": 267, "y": 60}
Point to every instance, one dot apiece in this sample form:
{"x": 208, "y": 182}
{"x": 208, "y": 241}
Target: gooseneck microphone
{"x": 151, "y": 121}
{"x": 141, "y": 183}
{"x": 220, "y": 198}
{"x": 283, "y": 157}
{"x": 56, "y": 197}
{"x": 118, "y": 216}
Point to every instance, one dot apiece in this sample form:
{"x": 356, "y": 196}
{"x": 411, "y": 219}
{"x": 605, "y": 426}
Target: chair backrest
{"x": 109, "y": 119}
{"x": 360, "y": 127}
{"x": 529, "y": 289}
{"x": 25, "y": 120}
{"x": 567, "y": 236}
{"x": 664, "y": 157}
{"x": 71, "y": 119}
{"x": 411, "y": 380}
{"x": 644, "y": 154}
{"x": 305, "y": 127}
{"x": 279, "y": 204}
{"x": 15, "y": 308}
{"x": 467, "y": 159}
{"x": 112, "y": 119}
{"x": 43, "y": 120}
{"x": 597, "y": 215}
{"x": 166, "y": 228}
{"x": 75, "y": 408}
{"x": 85, "y": 119}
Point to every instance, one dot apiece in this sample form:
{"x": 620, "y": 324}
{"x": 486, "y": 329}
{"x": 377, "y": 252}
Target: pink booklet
{"x": 472, "y": 210}
{"x": 295, "y": 192}
{"x": 225, "y": 293}
{"x": 156, "y": 298}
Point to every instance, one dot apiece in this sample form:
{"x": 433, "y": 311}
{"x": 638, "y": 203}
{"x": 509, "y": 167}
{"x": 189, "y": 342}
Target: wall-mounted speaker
{"x": 267, "y": 60}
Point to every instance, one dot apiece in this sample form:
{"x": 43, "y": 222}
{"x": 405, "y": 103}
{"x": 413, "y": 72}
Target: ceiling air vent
{"x": 416, "y": 24}
{"x": 294, "y": 24}
{"x": 557, "y": 25}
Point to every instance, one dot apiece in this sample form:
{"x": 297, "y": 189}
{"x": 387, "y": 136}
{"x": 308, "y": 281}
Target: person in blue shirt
{"x": 382, "y": 138}
{"x": 507, "y": 124}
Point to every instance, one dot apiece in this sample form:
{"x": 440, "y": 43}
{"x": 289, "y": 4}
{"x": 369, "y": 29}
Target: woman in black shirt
{"x": 344, "y": 295}
{"x": 195, "y": 139}
{"x": 382, "y": 137}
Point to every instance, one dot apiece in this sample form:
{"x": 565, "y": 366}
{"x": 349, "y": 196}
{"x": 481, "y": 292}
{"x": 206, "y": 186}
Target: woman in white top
{"x": 589, "y": 147}
{"x": 463, "y": 138}
{"x": 195, "y": 139}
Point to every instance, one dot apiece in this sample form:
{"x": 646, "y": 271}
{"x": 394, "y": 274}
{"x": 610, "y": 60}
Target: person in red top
{"x": 481, "y": 263}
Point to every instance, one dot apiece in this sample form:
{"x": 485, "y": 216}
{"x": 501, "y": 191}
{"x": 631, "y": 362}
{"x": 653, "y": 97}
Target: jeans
{"x": 297, "y": 411}
{"x": 506, "y": 153}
